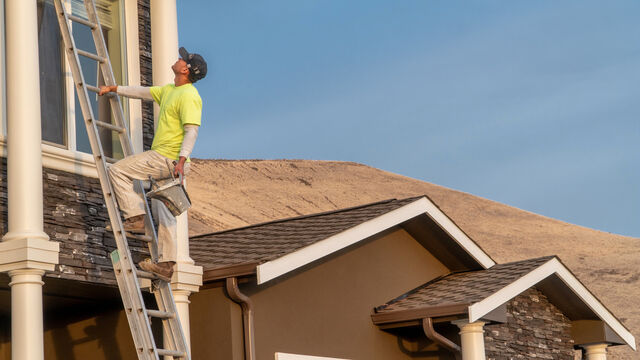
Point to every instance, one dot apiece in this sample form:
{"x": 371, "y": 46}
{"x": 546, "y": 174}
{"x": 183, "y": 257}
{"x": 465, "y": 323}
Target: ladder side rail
{"x": 108, "y": 76}
{"x": 145, "y": 345}
{"x": 165, "y": 301}
{"x": 116, "y": 110}
{"x": 101, "y": 165}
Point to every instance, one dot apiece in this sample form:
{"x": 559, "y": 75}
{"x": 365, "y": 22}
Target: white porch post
{"x": 595, "y": 351}
{"x": 164, "y": 40}
{"x": 187, "y": 277}
{"x": 472, "y": 339}
{"x": 26, "y": 314}
{"x": 25, "y": 252}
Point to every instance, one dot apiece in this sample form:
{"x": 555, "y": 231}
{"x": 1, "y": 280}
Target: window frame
{"x": 67, "y": 158}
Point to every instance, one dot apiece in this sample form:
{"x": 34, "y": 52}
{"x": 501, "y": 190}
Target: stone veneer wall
{"x": 535, "y": 329}
{"x": 146, "y": 78}
{"x": 75, "y": 216}
{"x": 74, "y": 210}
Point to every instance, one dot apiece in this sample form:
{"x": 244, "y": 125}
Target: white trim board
{"x": 280, "y": 266}
{"x": 285, "y": 356}
{"x": 553, "y": 266}
{"x": 53, "y": 157}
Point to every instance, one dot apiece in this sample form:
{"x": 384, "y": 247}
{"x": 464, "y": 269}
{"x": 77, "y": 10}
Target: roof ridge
{"x": 549, "y": 257}
{"x": 306, "y": 216}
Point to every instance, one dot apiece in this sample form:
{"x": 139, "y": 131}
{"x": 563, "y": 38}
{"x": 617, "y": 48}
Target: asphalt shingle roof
{"x": 464, "y": 287}
{"x": 267, "y": 241}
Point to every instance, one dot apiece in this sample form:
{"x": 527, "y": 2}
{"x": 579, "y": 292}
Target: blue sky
{"x": 529, "y": 103}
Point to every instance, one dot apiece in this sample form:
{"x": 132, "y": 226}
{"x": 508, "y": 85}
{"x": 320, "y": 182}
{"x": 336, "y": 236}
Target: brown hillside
{"x": 229, "y": 193}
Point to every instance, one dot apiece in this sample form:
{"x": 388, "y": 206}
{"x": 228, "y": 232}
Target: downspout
{"x": 427, "y": 326}
{"x": 247, "y": 316}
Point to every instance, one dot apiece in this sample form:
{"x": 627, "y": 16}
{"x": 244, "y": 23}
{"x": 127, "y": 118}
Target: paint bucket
{"x": 172, "y": 194}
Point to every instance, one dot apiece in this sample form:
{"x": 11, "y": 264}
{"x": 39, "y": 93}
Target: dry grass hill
{"x": 230, "y": 193}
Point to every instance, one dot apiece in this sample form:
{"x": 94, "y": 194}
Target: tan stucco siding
{"x": 216, "y": 326}
{"x": 324, "y": 309}
{"x": 103, "y": 337}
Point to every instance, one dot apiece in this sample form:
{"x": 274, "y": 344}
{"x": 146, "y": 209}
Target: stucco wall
{"x": 324, "y": 309}
{"x": 535, "y": 328}
{"x": 103, "y": 337}
{"x": 216, "y": 326}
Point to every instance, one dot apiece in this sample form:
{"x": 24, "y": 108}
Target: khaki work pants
{"x": 140, "y": 167}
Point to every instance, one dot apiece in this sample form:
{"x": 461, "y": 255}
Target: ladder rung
{"x": 146, "y": 275}
{"x": 82, "y": 21}
{"x": 91, "y": 56}
{"x": 160, "y": 314}
{"x": 95, "y": 89}
{"x": 109, "y": 126}
{"x": 174, "y": 353}
{"x": 140, "y": 237}
{"x": 108, "y": 159}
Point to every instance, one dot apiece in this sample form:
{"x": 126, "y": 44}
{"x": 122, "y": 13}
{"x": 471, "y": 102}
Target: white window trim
{"x": 73, "y": 161}
{"x": 286, "y": 356}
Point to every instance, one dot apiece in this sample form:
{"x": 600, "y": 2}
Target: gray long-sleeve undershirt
{"x": 144, "y": 93}
{"x": 137, "y": 92}
{"x": 189, "y": 140}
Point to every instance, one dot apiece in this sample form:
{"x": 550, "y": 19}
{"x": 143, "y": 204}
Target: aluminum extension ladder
{"x": 127, "y": 275}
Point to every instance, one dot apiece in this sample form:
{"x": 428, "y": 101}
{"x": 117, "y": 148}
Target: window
{"x": 62, "y": 120}
{"x": 52, "y": 90}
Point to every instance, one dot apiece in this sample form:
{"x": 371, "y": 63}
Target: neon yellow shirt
{"x": 178, "y": 106}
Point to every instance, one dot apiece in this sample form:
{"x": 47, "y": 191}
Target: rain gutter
{"x": 247, "y": 316}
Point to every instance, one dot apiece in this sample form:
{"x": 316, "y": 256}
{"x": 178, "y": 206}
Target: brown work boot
{"x": 164, "y": 270}
{"x": 134, "y": 224}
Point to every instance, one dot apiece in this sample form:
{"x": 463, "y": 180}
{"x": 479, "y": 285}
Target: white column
{"x": 26, "y": 314}
{"x": 472, "y": 339}
{"x": 25, "y": 251}
{"x": 187, "y": 277}
{"x": 181, "y": 298}
{"x": 24, "y": 160}
{"x": 595, "y": 351}
{"x": 133, "y": 72}
{"x": 164, "y": 40}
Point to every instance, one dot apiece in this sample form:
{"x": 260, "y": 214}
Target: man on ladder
{"x": 178, "y": 123}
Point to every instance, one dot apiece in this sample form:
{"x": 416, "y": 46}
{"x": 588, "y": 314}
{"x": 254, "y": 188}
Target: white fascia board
{"x": 457, "y": 234}
{"x": 272, "y": 269}
{"x": 285, "y": 356}
{"x": 553, "y": 266}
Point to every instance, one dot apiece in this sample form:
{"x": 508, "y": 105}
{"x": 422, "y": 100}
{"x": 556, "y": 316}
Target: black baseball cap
{"x": 196, "y": 64}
